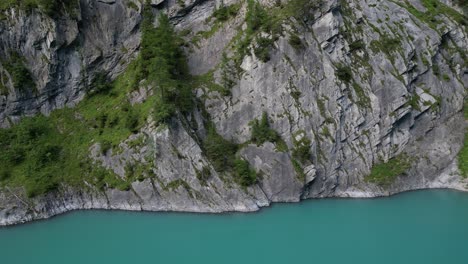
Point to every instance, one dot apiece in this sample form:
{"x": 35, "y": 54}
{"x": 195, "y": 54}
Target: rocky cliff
{"x": 311, "y": 98}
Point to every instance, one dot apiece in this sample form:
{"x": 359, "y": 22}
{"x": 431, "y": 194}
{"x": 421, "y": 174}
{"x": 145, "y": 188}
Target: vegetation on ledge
{"x": 385, "y": 173}
{"x": 435, "y": 9}
{"x": 223, "y": 156}
{"x": 463, "y": 154}
{"x": 50, "y": 7}
{"x": 20, "y": 75}
{"x": 162, "y": 63}
{"x": 260, "y": 20}
{"x": 245, "y": 175}
{"x": 261, "y": 133}
{"x": 38, "y": 150}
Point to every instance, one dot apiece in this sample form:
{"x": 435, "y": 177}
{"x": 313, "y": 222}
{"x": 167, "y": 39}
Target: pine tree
{"x": 163, "y": 64}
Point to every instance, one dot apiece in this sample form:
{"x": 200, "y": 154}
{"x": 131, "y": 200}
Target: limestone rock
{"x": 369, "y": 81}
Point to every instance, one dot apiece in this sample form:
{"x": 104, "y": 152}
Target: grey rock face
{"x": 64, "y": 54}
{"x": 394, "y": 102}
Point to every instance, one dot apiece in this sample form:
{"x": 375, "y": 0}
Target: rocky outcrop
{"x": 368, "y": 81}
{"x": 63, "y": 54}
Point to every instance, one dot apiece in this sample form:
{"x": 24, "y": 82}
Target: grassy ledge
{"x": 463, "y": 154}
{"x": 385, "y": 173}
{"x": 41, "y": 153}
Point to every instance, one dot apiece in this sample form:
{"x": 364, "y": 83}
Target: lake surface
{"x": 417, "y": 227}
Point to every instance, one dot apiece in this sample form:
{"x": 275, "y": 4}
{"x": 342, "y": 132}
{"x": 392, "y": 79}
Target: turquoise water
{"x": 417, "y": 227}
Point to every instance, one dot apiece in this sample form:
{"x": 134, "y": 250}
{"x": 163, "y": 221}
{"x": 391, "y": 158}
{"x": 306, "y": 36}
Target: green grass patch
{"x": 4, "y": 83}
{"x": 463, "y": 158}
{"x": 385, "y": 173}
{"x": 223, "y": 156}
{"x": 301, "y": 151}
{"x": 52, "y": 8}
{"x": 299, "y": 170}
{"x": 357, "y": 45}
{"x": 435, "y": 9}
{"x": 463, "y": 154}
{"x": 43, "y": 152}
{"x": 386, "y": 44}
{"x": 271, "y": 21}
{"x": 40, "y": 153}
{"x": 226, "y": 12}
{"x": 362, "y": 99}
{"x": 414, "y": 102}
{"x": 220, "y": 17}
{"x": 207, "y": 81}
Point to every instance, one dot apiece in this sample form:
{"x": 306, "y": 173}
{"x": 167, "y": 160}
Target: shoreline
{"x": 259, "y": 209}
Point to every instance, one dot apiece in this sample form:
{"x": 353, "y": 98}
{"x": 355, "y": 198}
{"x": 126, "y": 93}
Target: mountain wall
{"x": 312, "y": 98}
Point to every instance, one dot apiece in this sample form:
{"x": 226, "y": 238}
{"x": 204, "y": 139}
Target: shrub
{"x": 40, "y": 183}
{"x": 130, "y": 171}
{"x": 386, "y": 44}
{"x": 463, "y": 154}
{"x": 99, "y": 85}
{"x": 105, "y": 147}
{"x": 262, "y": 50}
{"x": 132, "y": 5}
{"x": 55, "y": 7}
{"x": 414, "y": 102}
{"x": 304, "y": 10}
{"x": 435, "y": 69}
{"x": 163, "y": 111}
{"x": 299, "y": 171}
{"x": 261, "y": 131}
{"x": 44, "y": 154}
{"x": 245, "y": 175}
{"x": 227, "y": 75}
{"x": 132, "y": 121}
{"x": 344, "y": 73}
{"x": 390, "y": 43}
{"x": 356, "y": 45}
{"x": 123, "y": 186}
{"x": 175, "y": 184}
{"x": 20, "y": 74}
{"x": 3, "y": 87}
{"x": 225, "y": 12}
{"x": 220, "y": 151}
{"x": 5, "y": 173}
{"x": 30, "y": 130}
{"x": 256, "y": 16}
{"x": 301, "y": 149}
{"x": 52, "y": 8}
{"x": 15, "y": 155}
{"x": 295, "y": 41}
{"x": 29, "y": 159}
{"x": 363, "y": 99}
{"x": 203, "y": 175}
{"x": 257, "y": 19}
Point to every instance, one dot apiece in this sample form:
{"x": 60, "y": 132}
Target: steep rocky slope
{"x": 358, "y": 99}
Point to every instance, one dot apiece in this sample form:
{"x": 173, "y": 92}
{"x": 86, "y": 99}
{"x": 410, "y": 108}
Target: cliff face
{"x": 62, "y": 54}
{"x": 350, "y": 89}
